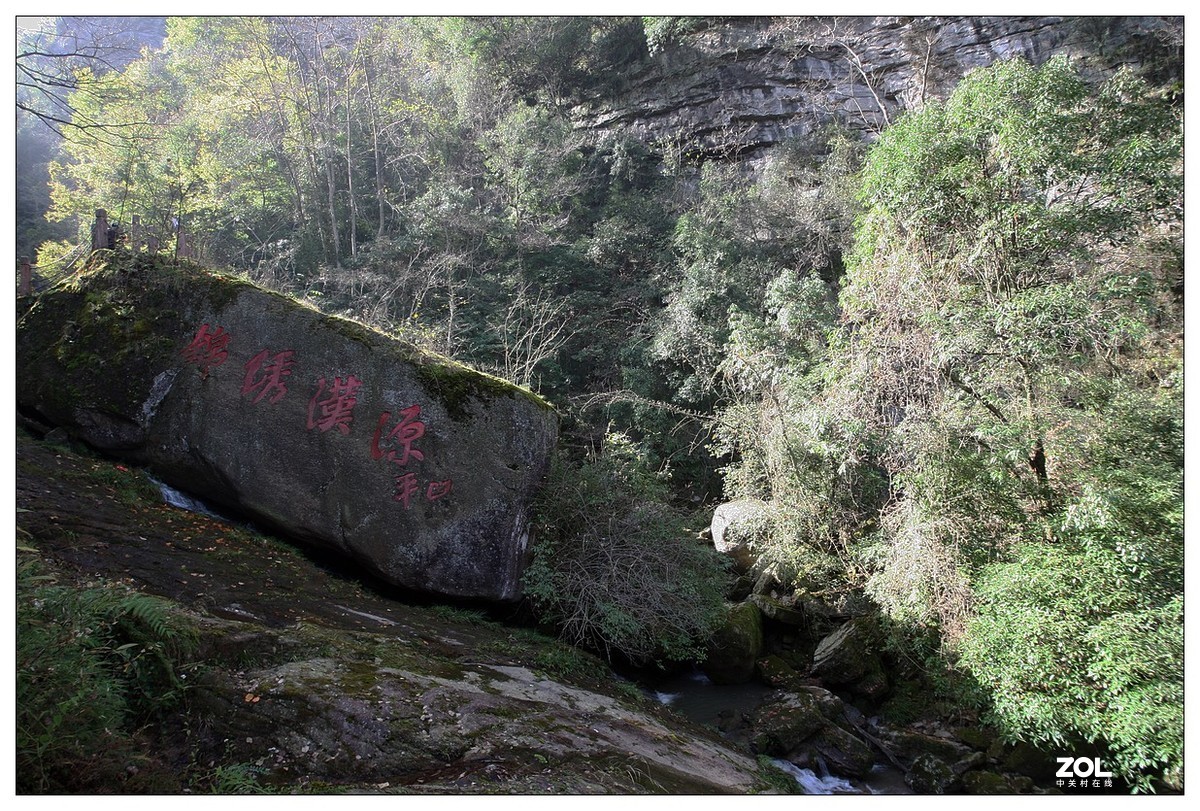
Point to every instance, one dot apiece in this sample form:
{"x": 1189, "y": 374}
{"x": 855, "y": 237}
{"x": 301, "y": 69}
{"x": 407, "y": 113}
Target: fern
{"x": 153, "y": 615}
{"x": 93, "y": 665}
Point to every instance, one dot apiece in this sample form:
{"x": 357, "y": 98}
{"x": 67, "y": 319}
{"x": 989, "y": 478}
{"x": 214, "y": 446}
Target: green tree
{"x": 126, "y": 172}
{"x": 780, "y": 439}
{"x": 1011, "y": 314}
{"x": 534, "y": 165}
{"x": 59, "y": 58}
{"x": 557, "y": 61}
{"x": 1016, "y": 240}
{"x": 1081, "y": 638}
{"x": 985, "y": 435}
{"x": 201, "y": 141}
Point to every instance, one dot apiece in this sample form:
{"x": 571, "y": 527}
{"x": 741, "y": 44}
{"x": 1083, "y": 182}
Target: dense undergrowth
{"x": 618, "y": 569}
{"x": 98, "y": 665}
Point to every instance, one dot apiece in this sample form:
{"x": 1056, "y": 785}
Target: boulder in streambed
{"x": 930, "y": 775}
{"x": 735, "y": 647}
{"x": 329, "y": 432}
{"x": 736, "y": 528}
{"x": 805, "y": 729}
{"x": 848, "y": 657}
{"x": 784, "y": 723}
{"x": 782, "y": 611}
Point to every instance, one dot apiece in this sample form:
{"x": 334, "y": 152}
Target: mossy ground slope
{"x": 312, "y": 680}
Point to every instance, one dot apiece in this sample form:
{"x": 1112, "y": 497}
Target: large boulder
{"x": 785, "y": 722}
{"x": 842, "y": 752}
{"x": 777, "y": 672}
{"x": 930, "y": 775}
{"x": 803, "y": 729}
{"x": 985, "y": 782}
{"x": 785, "y": 611}
{"x": 848, "y": 657}
{"x": 737, "y": 527}
{"x": 325, "y": 430}
{"x": 733, "y": 651}
{"x": 909, "y": 744}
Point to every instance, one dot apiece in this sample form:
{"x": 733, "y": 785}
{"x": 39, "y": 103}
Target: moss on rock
{"x": 169, "y": 365}
{"x": 734, "y": 649}
{"x": 782, "y": 725}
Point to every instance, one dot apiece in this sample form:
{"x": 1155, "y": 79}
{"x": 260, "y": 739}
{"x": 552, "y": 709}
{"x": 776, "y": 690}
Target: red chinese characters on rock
{"x": 407, "y": 431}
{"x": 331, "y": 407}
{"x": 437, "y": 490}
{"x": 398, "y": 447}
{"x": 407, "y": 487}
{"x": 336, "y": 409}
{"x": 208, "y": 348}
{"x": 265, "y": 375}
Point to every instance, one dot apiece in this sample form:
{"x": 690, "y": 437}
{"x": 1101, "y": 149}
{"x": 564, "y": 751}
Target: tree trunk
{"x": 1037, "y": 462}
{"x": 372, "y": 111}
{"x": 350, "y": 183}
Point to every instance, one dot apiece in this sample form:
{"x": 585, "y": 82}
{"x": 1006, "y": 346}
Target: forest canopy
{"x": 997, "y": 418}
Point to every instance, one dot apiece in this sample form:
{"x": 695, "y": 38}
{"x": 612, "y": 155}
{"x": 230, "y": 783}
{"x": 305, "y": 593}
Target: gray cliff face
{"x": 738, "y": 87}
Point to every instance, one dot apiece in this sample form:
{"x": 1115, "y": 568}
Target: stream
{"x": 180, "y": 499}
{"x": 720, "y": 706}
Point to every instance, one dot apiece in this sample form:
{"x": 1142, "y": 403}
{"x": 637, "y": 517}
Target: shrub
{"x": 613, "y": 564}
{"x": 661, "y": 32}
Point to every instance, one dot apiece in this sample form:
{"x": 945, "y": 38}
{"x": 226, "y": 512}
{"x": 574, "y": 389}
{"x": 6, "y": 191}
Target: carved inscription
{"x": 396, "y": 433}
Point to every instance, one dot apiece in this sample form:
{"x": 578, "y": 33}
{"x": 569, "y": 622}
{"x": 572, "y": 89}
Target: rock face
{"x": 736, "y": 87}
{"x": 735, "y": 526}
{"x": 734, "y": 649}
{"x": 847, "y": 657}
{"x": 319, "y": 427}
{"x": 809, "y": 729}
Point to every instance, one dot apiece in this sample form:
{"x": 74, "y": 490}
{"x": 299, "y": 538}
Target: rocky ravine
{"x": 326, "y": 682}
{"x": 322, "y": 681}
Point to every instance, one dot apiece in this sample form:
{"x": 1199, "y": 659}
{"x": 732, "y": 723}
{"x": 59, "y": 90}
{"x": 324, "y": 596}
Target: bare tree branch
{"x": 52, "y": 66}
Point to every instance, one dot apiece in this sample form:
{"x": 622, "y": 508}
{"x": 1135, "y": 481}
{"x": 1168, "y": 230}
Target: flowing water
{"x": 696, "y": 698}
{"x": 183, "y": 501}
{"x": 812, "y": 783}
